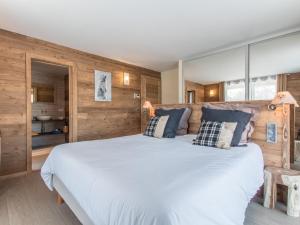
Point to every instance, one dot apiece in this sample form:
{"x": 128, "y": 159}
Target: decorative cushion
{"x": 160, "y": 127}
{"x": 156, "y": 126}
{"x": 208, "y": 134}
{"x": 247, "y": 133}
{"x": 248, "y": 108}
{"x": 184, "y": 122}
{"x": 173, "y": 121}
{"x": 215, "y": 134}
{"x": 180, "y": 132}
{"x": 226, "y": 135}
{"x": 216, "y": 115}
{"x": 151, "y": 126}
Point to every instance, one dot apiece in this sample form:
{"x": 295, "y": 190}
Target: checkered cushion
{"x": 151, "y": 126}
{"x": 208, "y": 134}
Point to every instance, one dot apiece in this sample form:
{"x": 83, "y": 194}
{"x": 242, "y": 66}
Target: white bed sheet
{"x": 138, "y": 180}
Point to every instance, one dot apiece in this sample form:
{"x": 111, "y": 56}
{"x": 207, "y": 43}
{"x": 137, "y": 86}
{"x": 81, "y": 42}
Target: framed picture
{"x": 272, "y": 133}
{"x": 102, "y": 86}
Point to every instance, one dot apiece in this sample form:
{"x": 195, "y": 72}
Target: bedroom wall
{"x": 96, "y": 120}
{"x": 293, "y": 86}
{"x": 169, "y": 86}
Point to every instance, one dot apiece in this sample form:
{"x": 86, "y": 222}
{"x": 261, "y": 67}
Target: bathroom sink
{"x": 43, "y": 118}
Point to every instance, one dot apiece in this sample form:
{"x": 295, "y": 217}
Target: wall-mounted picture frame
{"x": 102, "y": 86}
{"x": 272, "y": 133}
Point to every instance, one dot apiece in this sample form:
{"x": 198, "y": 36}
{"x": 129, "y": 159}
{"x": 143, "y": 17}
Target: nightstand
{"x": 287, "y": 177}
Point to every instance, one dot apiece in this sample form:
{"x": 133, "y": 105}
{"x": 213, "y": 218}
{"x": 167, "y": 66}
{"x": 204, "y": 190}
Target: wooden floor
{"x": 27, "y": 201}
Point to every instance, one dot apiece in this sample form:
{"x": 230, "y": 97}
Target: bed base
{"x": 65, "y": 196}
{"x": 59, "y": 199}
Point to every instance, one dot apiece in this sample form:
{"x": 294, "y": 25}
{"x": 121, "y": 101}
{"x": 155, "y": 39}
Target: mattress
{"x": 139, "y": 180}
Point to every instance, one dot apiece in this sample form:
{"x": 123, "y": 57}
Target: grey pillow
{"x": 180, "y": 132}
{"x": 184, "y": 122}
{"x": 218, "y": 115}
{"x": 173, "y": 121}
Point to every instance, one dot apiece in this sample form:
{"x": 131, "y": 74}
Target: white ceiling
{"x": 154, "y": 33}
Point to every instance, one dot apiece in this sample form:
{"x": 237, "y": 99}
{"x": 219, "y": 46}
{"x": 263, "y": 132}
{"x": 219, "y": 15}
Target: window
{"x": 263, "y": 88}
{"x": 234, "y": 90}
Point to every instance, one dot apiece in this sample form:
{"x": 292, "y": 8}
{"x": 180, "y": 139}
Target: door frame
{"x": 72, "y": 100}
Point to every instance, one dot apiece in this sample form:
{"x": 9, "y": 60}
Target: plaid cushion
{"x": 208, "y": 134}
{"x": 151, "y": 126}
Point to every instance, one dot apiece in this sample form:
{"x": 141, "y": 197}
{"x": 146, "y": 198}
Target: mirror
{"x": 42, "y": 93}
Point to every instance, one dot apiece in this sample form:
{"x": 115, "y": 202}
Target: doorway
{"x": 51, "y": 107}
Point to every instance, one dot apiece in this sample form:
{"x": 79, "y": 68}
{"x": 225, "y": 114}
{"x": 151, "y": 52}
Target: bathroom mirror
{"x": 42, "y": 93}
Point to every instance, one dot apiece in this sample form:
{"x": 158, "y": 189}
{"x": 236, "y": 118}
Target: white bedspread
{"x": 138, "y": 180}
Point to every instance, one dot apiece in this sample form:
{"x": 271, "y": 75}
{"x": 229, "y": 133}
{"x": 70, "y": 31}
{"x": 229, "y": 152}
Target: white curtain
{"x": 234, "y": 90}
{"x": 263, "y": 88}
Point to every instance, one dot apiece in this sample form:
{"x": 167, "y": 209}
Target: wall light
{"x": 148, "y": 106}
{"x": 212, "y": 93}
{"x": 126, "y": 78}
{"x": 283, "y": 97}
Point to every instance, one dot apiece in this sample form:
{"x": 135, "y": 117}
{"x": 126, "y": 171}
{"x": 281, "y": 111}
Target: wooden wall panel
{"x": 12, "y": 111}
{"x": 293, "y": 86}
{"x": 211, "y": 97}
{"x": 96, "y": 120}
{"x": 150, "y": 91}
{"x": 66, "y": 84}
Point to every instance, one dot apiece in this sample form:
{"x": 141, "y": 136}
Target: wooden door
{"x": 150, "y": 91}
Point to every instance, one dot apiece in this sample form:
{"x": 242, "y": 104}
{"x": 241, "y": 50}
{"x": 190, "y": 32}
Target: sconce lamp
{"x": 126, "y": 78}
{"x": 147, "y": 105}
{"x": 282, "y": 97}
{"x": 211, "y": 93}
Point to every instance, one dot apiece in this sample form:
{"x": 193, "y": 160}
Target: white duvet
{"x": 138, "y": 180}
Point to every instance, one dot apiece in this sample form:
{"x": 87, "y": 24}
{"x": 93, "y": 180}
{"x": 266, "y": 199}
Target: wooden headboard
{"x": 274, "y": 154}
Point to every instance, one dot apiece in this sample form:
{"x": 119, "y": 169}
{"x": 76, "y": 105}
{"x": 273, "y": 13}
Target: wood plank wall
{"x": 96, "y": 120}
{"x": 211, "y": 97}
{"x": 150, "y": 91}
{"x": 293, "y": 86}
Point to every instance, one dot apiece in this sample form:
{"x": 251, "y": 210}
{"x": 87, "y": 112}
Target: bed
{"x": 138, "y": 180}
